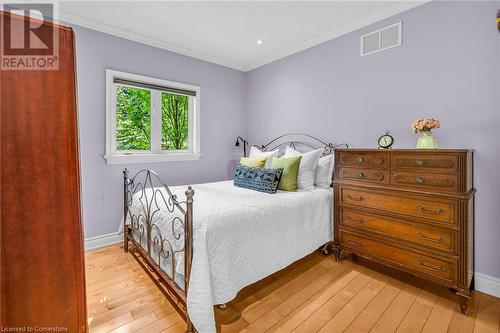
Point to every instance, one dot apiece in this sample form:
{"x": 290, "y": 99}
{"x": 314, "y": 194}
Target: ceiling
{"x": 226, "y": 33}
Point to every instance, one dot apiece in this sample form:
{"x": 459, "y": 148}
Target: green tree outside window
{"x": 133, "y": 120}
{"x": 174, "y": 121}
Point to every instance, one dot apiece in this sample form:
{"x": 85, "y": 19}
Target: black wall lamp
{"x": 498, "y": 20}
{"x": 245, "y": 144}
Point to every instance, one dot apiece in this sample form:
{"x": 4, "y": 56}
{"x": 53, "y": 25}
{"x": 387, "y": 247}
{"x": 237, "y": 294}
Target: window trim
{"x": 114, "y": 156}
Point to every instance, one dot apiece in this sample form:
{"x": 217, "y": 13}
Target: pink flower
{"x": 425, "y": 125}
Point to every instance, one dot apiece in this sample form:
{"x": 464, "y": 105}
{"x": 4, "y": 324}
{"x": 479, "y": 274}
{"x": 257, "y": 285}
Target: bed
{"x": 202, "y": 254}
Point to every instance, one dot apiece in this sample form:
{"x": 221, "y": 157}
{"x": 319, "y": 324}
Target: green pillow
{"x": 253, "y": 162}
{"x": 290, "y": 165}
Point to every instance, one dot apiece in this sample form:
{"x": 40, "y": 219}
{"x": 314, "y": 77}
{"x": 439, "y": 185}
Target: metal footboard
{"x": 158, "y": 242}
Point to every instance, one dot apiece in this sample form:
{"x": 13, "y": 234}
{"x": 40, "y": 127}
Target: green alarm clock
{"x": 386, "y": 141}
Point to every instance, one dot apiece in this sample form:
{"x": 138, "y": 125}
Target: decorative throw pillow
{"x": 290, "y": 167}
{"x": 258, "y": 179}
{"x": 256, "y": 152}
{"x": 254, "y": 162}
{"x": 307, "y": 168}
{"x": 324, "y": 172}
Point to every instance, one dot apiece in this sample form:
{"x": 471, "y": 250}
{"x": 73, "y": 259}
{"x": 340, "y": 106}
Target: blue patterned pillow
{"x": 258, "y": 179}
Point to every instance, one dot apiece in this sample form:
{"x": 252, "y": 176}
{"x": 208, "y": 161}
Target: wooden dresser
{"x": 410, "y": 209}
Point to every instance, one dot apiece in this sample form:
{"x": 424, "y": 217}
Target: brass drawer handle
{"x": 354, "y": 198}
{"x": 421, "y": 235}
{"x": 361, "y": 175}
{"x": 431, "y": 268}
{"x": 419, "y": 180}
{"x": 422, "y": 209}
{"x": 361, "y": 159}
{"x": 348, "y": 218}
{"x": 356, "y": 244}
{"x": 419, "y": 162}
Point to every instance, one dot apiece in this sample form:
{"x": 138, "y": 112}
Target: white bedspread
{"x": 242, "y": 236}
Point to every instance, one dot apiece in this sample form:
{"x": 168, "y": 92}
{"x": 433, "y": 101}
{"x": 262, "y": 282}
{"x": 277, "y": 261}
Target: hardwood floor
{"x": 315, "y": 294}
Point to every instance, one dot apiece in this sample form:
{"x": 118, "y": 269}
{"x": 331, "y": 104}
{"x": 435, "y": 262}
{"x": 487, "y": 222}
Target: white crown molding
{"x": 102, "y": 241}
{"x": 400, "y": 7}
{"x": 72, "y": 18}
{"x": 487, "y": 284}
{"x": 361, "y": 23}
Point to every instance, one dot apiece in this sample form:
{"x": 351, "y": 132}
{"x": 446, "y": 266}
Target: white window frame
{"x": 156, "y": 154}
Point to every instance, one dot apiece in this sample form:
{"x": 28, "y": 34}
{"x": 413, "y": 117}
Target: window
{"x": 150, "y": 120}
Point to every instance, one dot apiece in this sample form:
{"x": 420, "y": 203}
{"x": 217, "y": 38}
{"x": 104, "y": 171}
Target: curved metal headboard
{"x": 276, "y": 143}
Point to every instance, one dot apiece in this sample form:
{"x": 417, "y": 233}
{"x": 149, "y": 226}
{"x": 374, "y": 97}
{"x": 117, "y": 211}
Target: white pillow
{"x": 256, "y": 152}
{"x": 307, "y": 167}
{"x": 324, "y": 172}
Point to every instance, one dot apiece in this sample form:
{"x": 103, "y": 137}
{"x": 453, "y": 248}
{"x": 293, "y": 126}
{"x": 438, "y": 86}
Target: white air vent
{"x": 382, "y": 39}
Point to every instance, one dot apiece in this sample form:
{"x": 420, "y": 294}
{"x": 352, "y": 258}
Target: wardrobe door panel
{"x": 42, "y": 264}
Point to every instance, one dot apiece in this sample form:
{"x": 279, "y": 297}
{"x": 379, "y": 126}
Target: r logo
{"x": 28, "y": 39}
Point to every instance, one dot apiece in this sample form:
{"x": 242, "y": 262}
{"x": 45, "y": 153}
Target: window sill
{"x": 150, "y": 158}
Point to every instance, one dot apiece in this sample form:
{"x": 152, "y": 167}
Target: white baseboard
{"x": 487, "y": 284}
{"x": 102, "y": 241}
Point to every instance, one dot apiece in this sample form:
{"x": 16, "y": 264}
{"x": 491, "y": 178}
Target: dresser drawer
{"x": 425, "y": 181}
{"x": 442, "y": 163}
{"x": 379, "y": 160}
{"x": 438, "y": 239}
{"x": 436, "y": 209}
{"x": 364, "y": 175}
{"x": 431, "y": 266}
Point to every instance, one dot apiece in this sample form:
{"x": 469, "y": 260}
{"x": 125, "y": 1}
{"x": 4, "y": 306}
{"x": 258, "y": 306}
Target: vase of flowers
{"x": 424, "y": 126}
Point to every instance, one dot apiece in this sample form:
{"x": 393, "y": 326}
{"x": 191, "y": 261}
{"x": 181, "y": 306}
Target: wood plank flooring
{"x": 315, "y": 294}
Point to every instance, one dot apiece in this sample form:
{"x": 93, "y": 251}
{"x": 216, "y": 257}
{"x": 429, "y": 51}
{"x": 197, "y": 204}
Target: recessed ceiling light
{"x": 259, "y": 42}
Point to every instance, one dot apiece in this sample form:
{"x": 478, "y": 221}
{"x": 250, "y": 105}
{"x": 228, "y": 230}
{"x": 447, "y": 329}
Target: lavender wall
{"x": 222, "y": 109}
{"x": 448, "y": 67}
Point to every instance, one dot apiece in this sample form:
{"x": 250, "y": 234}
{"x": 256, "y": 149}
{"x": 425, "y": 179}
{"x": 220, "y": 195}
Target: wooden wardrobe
{"x": 41, "y": 253}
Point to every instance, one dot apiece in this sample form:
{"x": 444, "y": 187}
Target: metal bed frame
{"x": 151, "y": 247}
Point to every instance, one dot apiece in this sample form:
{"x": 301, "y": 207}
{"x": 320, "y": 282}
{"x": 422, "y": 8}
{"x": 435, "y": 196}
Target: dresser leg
{"x": 463, "y": 298}
{"x": 336, "y": 251}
